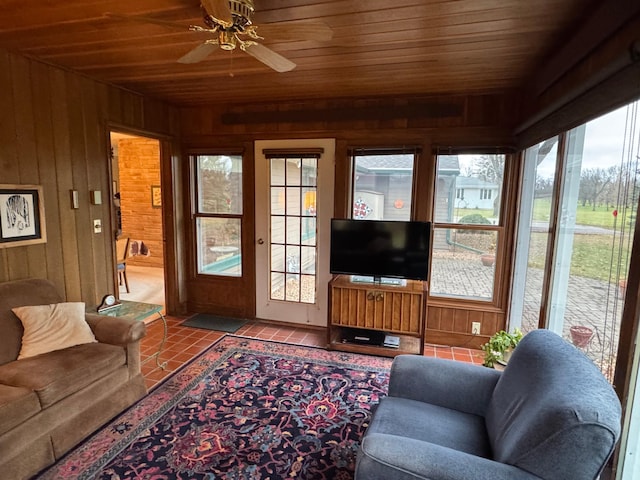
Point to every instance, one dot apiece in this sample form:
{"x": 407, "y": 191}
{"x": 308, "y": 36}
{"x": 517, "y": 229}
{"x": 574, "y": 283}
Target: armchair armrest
{"x": 446, "y": 383}
{"x": 385, "y": 457}
{"x": 116, "y": 330}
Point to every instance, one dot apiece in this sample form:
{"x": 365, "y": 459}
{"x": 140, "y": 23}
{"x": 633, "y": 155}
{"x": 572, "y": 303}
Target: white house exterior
{"x": 474, "y": 193}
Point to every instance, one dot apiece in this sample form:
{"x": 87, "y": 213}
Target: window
{"x": 467, "y": 226}
{"x": 485, "y": 194}
{"x": 382, "y": 184}
{"x": 571, "y": 261}
{"x": 218, "y": 214}
{"x": 292, "y": 213}
{"x": 534, "y": 233}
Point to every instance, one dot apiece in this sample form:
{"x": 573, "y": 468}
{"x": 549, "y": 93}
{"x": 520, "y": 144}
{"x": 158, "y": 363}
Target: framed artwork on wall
{"x": 22, "y": 219}
{"x": 156, "y": 196}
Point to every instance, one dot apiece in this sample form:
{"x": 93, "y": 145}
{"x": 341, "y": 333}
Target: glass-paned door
{"x": 293, "y": 240}
{"x": 294, "y": 205}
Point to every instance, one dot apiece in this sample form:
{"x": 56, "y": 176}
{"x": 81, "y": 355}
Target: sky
{"x": 609, "y": 141}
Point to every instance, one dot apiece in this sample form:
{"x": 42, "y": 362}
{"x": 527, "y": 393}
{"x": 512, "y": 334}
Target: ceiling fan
{"x": 230, "y": 24}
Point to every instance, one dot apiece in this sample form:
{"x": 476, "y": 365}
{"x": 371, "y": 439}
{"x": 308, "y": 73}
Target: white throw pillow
{"x": 52, "y": 327}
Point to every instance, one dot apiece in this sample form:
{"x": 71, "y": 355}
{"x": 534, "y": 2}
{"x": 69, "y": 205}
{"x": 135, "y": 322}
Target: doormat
{"x": 214, "y": 322}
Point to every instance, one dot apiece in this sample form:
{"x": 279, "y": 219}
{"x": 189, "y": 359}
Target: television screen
{"x": 380, "y": 248}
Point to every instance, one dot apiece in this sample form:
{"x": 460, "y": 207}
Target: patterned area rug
{"x": 244, "y": 409}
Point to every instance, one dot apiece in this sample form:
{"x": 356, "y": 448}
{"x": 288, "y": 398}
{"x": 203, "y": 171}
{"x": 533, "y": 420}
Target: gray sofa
{"x": 550, "y": 415}
{"x": 50, "y": 402}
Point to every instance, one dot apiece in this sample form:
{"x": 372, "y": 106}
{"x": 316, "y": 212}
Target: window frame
{"x": 506, "y": 223}
{"x": 196, "y": 214}
{"x": 353, "y": 153}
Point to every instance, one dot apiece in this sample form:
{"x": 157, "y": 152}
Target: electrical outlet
{"x": 475, "y": 328}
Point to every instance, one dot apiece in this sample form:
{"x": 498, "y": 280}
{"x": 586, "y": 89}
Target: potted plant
{"x": 500, "y": 346}
{"x": 622, "y": 287}
{"x": 488, "y": 258}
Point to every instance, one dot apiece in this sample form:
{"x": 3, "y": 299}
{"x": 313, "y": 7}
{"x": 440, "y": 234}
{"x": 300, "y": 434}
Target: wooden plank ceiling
{"x": 379, "y": 47}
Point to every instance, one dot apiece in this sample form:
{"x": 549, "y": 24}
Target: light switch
{"x": 97, "y": 226}
{"x": 75, "y": 203}
{"x": 96, "y": 197}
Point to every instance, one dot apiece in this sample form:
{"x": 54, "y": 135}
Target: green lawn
{"x": 601, "y": 217}
{"x": 593, "y": 255}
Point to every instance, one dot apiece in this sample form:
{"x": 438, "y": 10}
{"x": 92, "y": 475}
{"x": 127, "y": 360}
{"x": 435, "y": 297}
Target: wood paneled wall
{"x": 451, "y": 326}
{"x": 430, "y": 122}
{"x": 53, "y": 132}
{"x": 470, "y": 120}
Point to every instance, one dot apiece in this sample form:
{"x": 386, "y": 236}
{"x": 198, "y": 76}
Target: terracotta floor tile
{"x": 447, "y": 355}
{"x": 183, "y": 357}
{"x": 184, "y": 343}
{"x": 462, "y": 357}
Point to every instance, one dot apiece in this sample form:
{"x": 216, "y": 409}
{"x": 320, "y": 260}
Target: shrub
{"x": 475, "y": 218}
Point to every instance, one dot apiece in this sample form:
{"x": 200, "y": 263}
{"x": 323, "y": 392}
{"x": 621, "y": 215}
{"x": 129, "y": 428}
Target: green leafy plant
{"x": 498, "y": 344}
{"x": 475, "y": 218}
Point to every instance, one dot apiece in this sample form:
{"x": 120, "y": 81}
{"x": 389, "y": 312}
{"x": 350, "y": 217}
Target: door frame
{"x": 168, "y": 179}
{"x": 308, "y": 314}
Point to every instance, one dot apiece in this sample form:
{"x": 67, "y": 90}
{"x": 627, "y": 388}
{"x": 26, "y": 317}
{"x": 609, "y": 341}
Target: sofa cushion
{"x": 52, "y": 327}
{"x": 17, "y": 404}
{"x": 35, "y": 291}
{"x": 442, "y": 426}
{"x": 544, "y": 412}
{"x": 55, "y": 375}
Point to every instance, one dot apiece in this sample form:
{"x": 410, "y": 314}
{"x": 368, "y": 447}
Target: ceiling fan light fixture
{"x": 241, "y": 11}
{"x": 227, "y": 39}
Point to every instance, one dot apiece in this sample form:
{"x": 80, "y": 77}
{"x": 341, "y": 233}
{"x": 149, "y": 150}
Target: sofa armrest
{"x": 446, "y": 383}
{"x": 116, "y": 330}
{"x": 390, "y": 457}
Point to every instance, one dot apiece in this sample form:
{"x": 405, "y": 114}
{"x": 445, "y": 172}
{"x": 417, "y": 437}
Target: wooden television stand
{"x": 397, "y": 310}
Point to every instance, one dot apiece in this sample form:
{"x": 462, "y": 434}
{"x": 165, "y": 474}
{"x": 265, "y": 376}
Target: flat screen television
{"x": 380, "y": 248}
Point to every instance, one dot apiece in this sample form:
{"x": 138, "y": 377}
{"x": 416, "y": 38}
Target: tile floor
{"x": 184, "y": 343}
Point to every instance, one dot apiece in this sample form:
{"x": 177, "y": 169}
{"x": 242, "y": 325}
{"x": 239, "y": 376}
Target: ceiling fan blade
{"x": 141, "y": 19}
{"x": 199, "y": 53}
{"x": 270, "y": 58}
{"x": 292, "y": 31}
{"x": 219, "y": 10}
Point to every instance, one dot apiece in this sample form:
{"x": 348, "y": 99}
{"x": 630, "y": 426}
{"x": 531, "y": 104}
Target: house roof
{"x": 474, "y": 182}
{"x": 384, "y": 163}
{"x": 448, "y": 165}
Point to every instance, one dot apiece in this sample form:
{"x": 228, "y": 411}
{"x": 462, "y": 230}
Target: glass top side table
{"x": 138, "y": 311}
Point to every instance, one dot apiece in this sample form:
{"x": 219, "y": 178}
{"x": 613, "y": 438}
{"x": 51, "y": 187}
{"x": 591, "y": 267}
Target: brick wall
{"x": 139, "y": 169}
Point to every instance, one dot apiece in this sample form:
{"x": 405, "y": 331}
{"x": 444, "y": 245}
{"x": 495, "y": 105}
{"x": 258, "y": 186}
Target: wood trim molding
{"x": 305, "y": 114}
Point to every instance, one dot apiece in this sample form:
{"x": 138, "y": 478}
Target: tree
{"x": 594, "y": 182}
{"x": 490, "y": 168}
{"x": 544, "y": 187}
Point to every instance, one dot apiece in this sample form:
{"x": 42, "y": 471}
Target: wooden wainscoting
{"x": 445, "y": 325}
